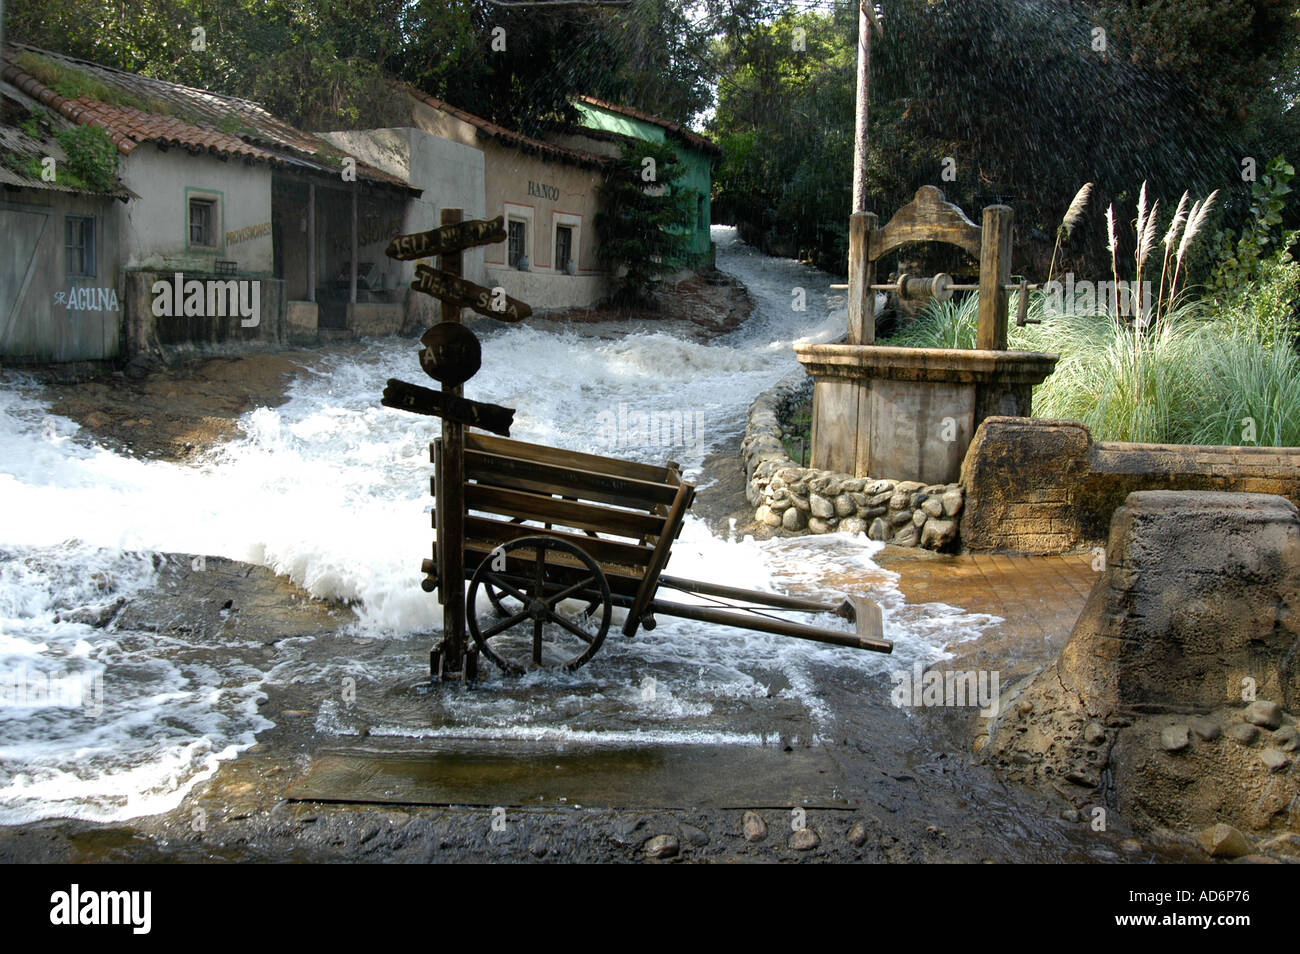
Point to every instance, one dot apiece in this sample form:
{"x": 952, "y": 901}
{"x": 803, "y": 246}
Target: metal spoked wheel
{"x": 533, "y": 629}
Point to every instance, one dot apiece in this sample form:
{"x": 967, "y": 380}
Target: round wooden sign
{"x": 451, "y": 354}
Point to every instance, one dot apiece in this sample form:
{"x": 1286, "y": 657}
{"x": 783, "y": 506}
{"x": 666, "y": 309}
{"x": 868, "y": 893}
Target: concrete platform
{"x": 468, "y": 772}
{"x": 1038, "y": 597}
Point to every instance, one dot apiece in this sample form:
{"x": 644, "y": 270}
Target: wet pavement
{"x": 1036, "y": 600}
{"x": 344, "y": 773}
{"x": 295, "y": 654}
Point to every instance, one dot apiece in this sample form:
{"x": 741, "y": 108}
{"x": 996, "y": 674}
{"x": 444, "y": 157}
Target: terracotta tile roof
{"x": 208, "y": 116}
{"x": 517, "y": 140}
{"x": 693, "y": 138}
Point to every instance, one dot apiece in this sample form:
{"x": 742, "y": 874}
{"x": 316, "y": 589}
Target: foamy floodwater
{"x": 330, "y": 490}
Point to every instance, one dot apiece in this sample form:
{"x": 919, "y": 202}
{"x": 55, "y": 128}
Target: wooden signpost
{"x": 453, "y": 237}
{"x": 446, "y": 286}
{"x": 643, "y": 504}
{"x": 451, "y": 356}
{"x": 418, "y": 400}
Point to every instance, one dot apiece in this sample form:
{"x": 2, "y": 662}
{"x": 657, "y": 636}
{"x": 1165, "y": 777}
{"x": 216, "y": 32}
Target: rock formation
{"x": 1170, "y": 701}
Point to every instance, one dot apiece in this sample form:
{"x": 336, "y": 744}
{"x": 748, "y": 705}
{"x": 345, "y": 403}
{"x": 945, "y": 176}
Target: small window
{"x": 203, "y": 223}
{"x": 563, "y": 247}
{"x": 79, "y": 245}
{"x": 518, "y": 249}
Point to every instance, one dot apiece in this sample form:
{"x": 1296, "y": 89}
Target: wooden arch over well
{"x": 929, "y": 217}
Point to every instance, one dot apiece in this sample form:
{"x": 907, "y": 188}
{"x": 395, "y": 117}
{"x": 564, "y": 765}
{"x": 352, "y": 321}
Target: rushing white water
{"x": 329, "y": 489}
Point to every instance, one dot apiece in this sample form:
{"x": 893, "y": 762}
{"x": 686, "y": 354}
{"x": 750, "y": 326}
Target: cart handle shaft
{"x": 757, "y": 596}
{"x": 766, "y": 624}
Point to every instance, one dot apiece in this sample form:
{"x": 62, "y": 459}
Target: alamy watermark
{"x": 128, "y": 908}
{"x": 32, "y": 688}
{"x": 951, "y": 688}
{"x": 209, "y": 298}
{"x": 1121, "y": 299}
{"x": 630, "y": 427}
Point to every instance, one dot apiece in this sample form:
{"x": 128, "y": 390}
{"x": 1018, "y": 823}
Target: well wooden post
{"x": 862, "y": 275}
{"x": 995, "y": 272}
{"x": 449, "y": 658}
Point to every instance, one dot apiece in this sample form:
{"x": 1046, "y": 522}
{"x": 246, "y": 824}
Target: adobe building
{"x": 209, "y": 187}
{"x": 214, "y": 189}
{"x": 548, "y": 194}
{"x": 61, "y": 253}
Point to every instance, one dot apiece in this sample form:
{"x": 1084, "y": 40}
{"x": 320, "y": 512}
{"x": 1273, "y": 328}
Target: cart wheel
{"x": 495, "y": 598}
{"x": 531, "y": 590}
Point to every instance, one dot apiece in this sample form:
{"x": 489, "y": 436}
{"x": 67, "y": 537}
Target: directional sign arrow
{"x": 418, "y": 400}
{"x": 449, "y": 238}
{"x": 451, "y": 288}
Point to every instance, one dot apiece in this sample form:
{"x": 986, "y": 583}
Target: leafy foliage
{"x": 646, "y": 218}
{"x": 1023, "y": 100}
{"x": 1228, "y": 52}
{"x": 92, "y": 157}
{"x": 323, "y": 64}
{"x": 785, "y": 124}
{"x": 1239, "y": 260}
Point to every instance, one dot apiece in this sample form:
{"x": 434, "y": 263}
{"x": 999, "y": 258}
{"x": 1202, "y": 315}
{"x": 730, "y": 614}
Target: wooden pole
{"x": 995, "y": 272}
{"x": 862, "y": 275}
{"x": 311, "y": 241}
{"x": 867, "y": 24}
{"x": 862, "y": 270}
{"x": 450, "y": 657}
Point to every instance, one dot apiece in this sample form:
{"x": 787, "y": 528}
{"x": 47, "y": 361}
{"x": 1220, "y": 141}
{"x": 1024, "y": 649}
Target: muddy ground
{"x": 908, "y": 790}
{"x": 180, "y": 410}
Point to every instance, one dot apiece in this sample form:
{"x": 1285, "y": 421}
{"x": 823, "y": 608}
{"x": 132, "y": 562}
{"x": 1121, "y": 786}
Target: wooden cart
{"x": 556, "y": 539}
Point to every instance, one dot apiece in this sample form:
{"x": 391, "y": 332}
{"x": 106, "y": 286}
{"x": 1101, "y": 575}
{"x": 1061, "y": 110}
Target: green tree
{"x": 317, "y": 63}
{"x": 785, "y": 123}
{"x": 645, "y": 218}
{"x": 1022, "y": 101}
{"x": 1264, "y": 245}
{"x": 1230, "y": 53}
{"x": 665, "y": 64}
{"x": 323, "y": 63}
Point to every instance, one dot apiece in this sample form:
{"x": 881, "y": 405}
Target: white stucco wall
{"x": 545, "y": 194}
{"x": 450, "y": 174}
{"x": 549, "y": 290}
{"x": 485, "y": 181}
{"x": 155, "y": 231}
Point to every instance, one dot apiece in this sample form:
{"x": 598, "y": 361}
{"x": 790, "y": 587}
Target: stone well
{"x": 911, "y": 411}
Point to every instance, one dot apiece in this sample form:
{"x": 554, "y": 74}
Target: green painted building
{"x": 697, "y": 153}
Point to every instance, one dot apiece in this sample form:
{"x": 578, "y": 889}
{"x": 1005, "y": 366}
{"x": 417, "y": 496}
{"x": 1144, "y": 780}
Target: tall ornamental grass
{"x": 1178, "y": 370}
{"x": 1192, "y": 377}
